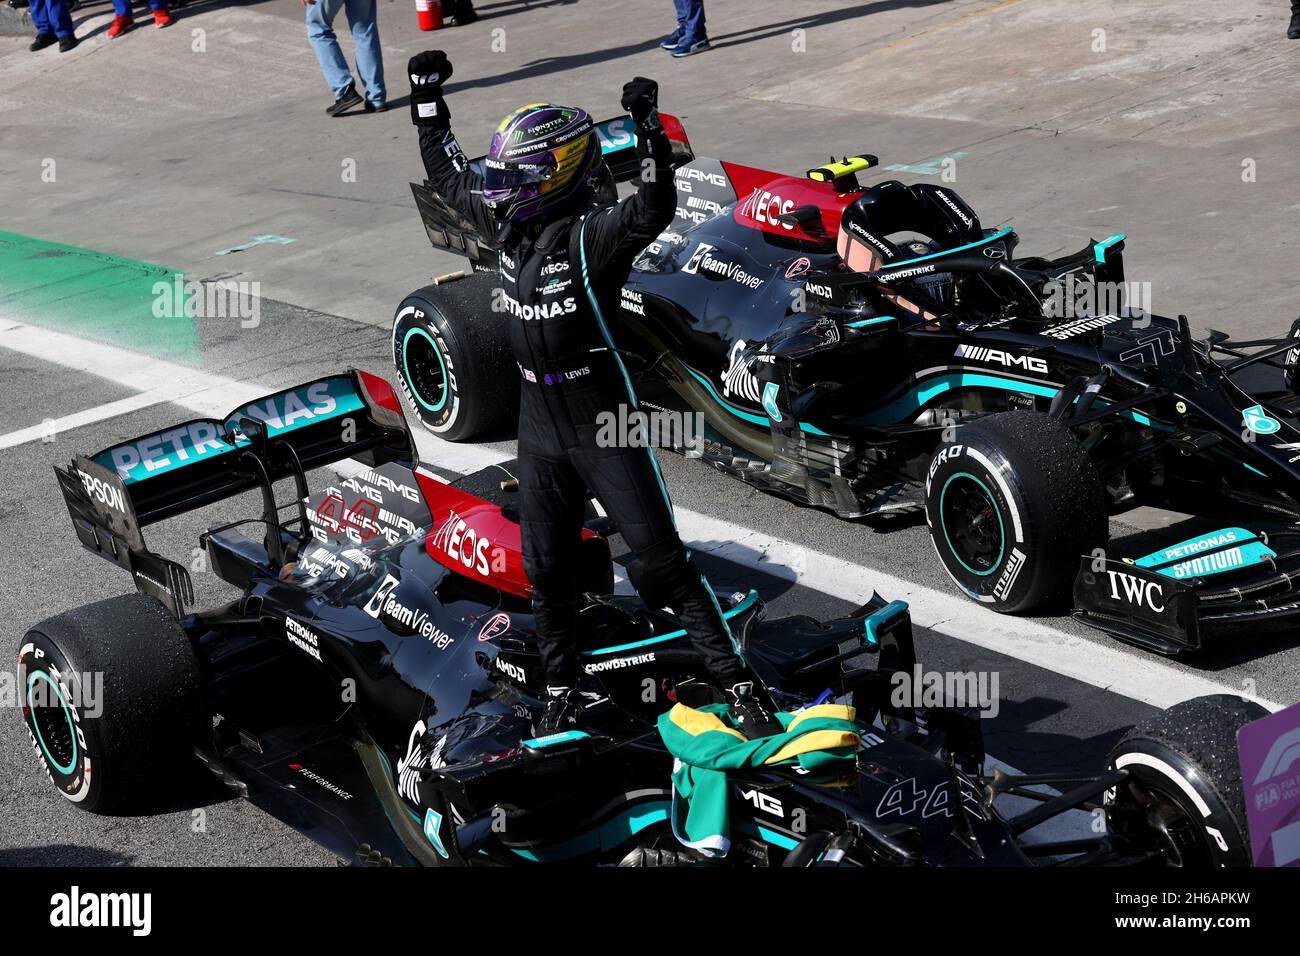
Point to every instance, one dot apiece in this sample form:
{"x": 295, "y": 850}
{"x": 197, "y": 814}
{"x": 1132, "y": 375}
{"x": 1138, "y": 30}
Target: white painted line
{"x": 462, "y": 459}
{"x": 1101, "y": 664}
{"x": 157, "y": 381}
{"x": 51, "y": 428}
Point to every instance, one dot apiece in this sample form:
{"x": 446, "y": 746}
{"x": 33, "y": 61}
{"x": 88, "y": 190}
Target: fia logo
{"x": 1284, "y": 752}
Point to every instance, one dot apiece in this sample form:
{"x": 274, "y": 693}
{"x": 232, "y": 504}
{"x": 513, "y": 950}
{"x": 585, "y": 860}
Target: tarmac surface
{"x": 1175, "y": 125}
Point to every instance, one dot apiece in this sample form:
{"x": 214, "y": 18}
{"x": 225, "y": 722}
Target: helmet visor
{"x": 498, "y": 174}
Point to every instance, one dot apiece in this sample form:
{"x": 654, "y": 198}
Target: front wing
{"x": 1167, "y": 601}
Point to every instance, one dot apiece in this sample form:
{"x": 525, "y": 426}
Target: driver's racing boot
{"x": 561, "y": 712}
{"x": 753, "y": 713}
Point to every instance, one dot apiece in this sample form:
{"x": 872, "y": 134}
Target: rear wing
{"x": 113, "y": 494}
{"x": 448, "y": 230}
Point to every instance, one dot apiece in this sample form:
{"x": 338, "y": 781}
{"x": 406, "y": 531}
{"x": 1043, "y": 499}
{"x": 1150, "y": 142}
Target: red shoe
{"x": 120, "y": 26}
{"x": 162, "y": 18}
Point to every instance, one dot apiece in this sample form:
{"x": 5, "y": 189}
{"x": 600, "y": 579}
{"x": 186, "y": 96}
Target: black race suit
{"x": 570, "y": 376}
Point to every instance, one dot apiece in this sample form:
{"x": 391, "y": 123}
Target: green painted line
{"x": 97, "y": 296}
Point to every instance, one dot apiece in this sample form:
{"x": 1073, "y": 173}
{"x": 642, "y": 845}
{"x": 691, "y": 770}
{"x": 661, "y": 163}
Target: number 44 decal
{"x": 357, "y": 522}
{"x": 906, "y": 797}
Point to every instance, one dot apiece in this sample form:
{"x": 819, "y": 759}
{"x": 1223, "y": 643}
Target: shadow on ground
{"x": 63, "y": 854}
{"x": 561, "y": 64}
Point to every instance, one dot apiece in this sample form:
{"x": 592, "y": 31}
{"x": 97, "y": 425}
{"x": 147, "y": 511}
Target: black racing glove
{"x": 428, "y": 71}
{"x": 641, "y": 99}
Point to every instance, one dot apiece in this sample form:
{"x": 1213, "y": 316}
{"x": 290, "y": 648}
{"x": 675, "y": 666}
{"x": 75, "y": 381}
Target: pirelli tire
{"x": 453, "y": 359}
{"x": 1184, "y": 796}
{"x": 1012, "y": 502}
{"x": 124, "y": 746}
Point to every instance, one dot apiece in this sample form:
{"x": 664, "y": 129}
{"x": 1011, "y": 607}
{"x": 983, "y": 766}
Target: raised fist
{"x": 430, "y": 69}
{"x": 641, "y": 98}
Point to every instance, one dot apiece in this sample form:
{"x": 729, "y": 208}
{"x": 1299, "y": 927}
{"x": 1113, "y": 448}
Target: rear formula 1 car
{"x": 877, "y": 350}
{"x": 375, "y": 680}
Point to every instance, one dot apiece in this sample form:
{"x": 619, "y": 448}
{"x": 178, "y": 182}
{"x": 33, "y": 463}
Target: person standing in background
{"x": 690, "y": 35}
{"x": 122, "y": 21}
{"x": 1293, "y": 32}
{"x": 53, "y": 22}
{"x": 459, "y": 13}
{"x": 363, "y": 21}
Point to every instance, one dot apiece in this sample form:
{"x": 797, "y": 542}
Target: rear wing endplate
{"x": 105, "y": 522}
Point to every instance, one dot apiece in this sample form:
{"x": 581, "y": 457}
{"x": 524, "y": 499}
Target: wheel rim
{"x": 425, "y": 369}
{"x": 1167, "y": 826}
{"x": 972, "y": 524}
{"x": 54, "y": 728}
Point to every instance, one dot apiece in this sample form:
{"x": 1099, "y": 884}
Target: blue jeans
{"x": 365, "y": 34}
{"x": 690, "y": 19}
{"x": 51, "y": 16}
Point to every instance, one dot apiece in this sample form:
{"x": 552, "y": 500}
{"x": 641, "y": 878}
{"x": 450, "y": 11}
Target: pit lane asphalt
{"x": 1046, "y": 721}
{"x": 1170, "y": 121}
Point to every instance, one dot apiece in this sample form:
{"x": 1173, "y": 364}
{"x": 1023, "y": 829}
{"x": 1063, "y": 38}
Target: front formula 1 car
{"x": 876, "y": 350}
{"x": 374, "y": 682}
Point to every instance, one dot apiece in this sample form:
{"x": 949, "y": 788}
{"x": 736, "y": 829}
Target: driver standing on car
{"x": 564, "y": 256}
